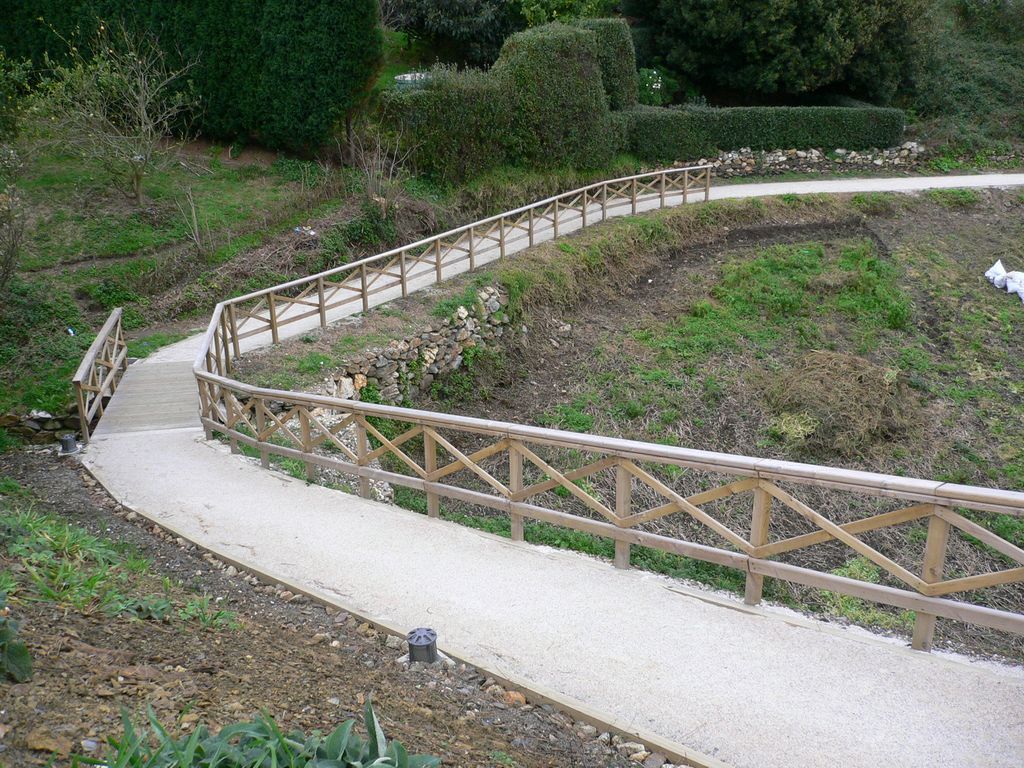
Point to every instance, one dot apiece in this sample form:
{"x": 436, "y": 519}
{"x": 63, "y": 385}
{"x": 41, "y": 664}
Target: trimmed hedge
{"x": 457, "y": 124}
{"x": 282, "y": 71}
{"x": 617, "y": 58}
{"x": 541, "y": 104}
{"x": 559, "y": 110}
{"x": 659, "y": 134}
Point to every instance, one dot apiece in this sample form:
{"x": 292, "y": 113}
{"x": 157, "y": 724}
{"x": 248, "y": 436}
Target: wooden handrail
{"x": 100, "y": 371}
{"x": 868, "y": 483}
{"x": 259, "y": 418}
{"x": 353, "y": 265}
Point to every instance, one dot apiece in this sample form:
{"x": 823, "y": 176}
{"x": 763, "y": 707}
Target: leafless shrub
{"x": 198, "y": 233}
{"x": 390, "y": 13}
{"x": 118, "y": 103}
{"x": 12, "y": 215}
{"x": 380, "y": 160}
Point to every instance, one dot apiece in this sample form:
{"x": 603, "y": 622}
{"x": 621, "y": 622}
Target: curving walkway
{"x": 744, "y": 686}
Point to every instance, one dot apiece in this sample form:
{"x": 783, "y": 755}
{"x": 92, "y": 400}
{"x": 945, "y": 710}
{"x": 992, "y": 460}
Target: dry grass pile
{"x": 832, "y": 402}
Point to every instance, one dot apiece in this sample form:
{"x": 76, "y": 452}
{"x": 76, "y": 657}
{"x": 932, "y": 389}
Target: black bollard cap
{"x": 422, "y": 645}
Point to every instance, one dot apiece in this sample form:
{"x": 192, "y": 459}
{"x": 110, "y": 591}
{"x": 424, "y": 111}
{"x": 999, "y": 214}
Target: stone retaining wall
{"x": 407, "y": 366}
{"x": 746, "y": 162}
{"x": 40, "y": 427}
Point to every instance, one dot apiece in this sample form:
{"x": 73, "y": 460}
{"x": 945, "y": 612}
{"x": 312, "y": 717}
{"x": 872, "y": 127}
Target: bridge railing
{"x": 100, "y": 371}
{"x": 374, "y": 280}
{"x": 620, "y": 489}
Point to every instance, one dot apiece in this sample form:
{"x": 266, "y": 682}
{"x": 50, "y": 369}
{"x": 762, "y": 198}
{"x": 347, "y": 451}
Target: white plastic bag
{"x": 1015, "y": 283}
{"x": 997, "y": 274}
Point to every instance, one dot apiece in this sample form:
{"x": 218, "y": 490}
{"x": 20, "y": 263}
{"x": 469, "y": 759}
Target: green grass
{"x": 76, "y": 570}
{"x": 781, "y": 294}
{"x": 954, "y": 198}
{"x": 970, "y": 90}
{"x": 401, "y": 56}
{"x": 876, "y": 203}
{"x": 13, "y": 489}
{"x": 860, "y": 611}
{"x": 38, "y": 355}
{"x": 81, "y": 216}
{"x": 572, "y": 416}
{"x": 467, "y": 298}
{"x": 89, "y": 249}
{"x": 8, "y": 442}
{"x": 147, "y": 345}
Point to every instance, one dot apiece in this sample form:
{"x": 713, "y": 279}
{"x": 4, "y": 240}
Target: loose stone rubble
{"x": 746, "y": 162}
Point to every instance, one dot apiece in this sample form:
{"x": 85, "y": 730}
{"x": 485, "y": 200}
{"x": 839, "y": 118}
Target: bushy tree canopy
{"x": 463, "y": 31}
{"x": 473, "y": 31}
{"x": 784, "y": 46}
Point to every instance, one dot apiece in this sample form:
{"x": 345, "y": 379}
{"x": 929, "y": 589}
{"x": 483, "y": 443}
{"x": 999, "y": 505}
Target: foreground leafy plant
{"x": 14, "y": 656}
{"x": 200, "y": 610}
{"x": 256, "y": 744}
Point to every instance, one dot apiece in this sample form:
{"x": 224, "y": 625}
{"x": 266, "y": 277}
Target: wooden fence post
{"x": 934, "y": 561}
{"x": 307, "y": 442}
{"x": 229, "y": 420}
{"x": 633, "y": 195}
{"x": 83, "y": 417}
{"x": 604, "y": 202}
{"x": 362, "y": 449}
{"x": 758, "y": 537}
{"x": 515, "y": 484}
{"x": 272, "y": 305}
{"x": 584, "y": 212}
{"x": 365, "y": 288}
{"x": 623, "y": 504}
{"x": 501, "y": 237}
{"x": 204, "y": 406}
{"x": 686, "y": 185}
{"x": 321, "y": 301}
{"x": 430, "y": 464}
{"x": 472, "y": 249}
{"x": 554, "y": 219}
{"x": 402, "y": 273}
{"x": 662, "y": 190}
{"x": 261, "y": 427}
{"x": 437, "y": 259}
{"x": 531, "y": 228}
{"x": 228, "y": 362}
{"x": 707, "y": 184}
{"x": 233, "y": 321}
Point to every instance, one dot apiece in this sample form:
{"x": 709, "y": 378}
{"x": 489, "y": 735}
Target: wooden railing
{"x": 100, "y": 371}
{"x": 620, "y": 488}
{"x": 359, "y": 285}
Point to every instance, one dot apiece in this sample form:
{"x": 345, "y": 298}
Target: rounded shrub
{"x": 457, "y": 125}
{"x": 617, "y": 58}
{"x": 559, "y": 110}
{"x": 542, "y": 104}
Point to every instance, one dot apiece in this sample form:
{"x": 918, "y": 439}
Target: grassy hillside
{"x": 969, "y": 89}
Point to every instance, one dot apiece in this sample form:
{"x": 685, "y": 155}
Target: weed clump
{"x": 829, "y": 402}
{"x": 954, "y": 198}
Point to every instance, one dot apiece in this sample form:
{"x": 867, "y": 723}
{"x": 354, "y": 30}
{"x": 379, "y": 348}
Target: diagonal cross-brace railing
{"x": 510, "y": 467}
{"x": 517, "y": 466}
{"x": 100, "y": 372}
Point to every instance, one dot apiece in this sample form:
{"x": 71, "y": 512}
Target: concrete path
{"x": 752, "y": 687}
